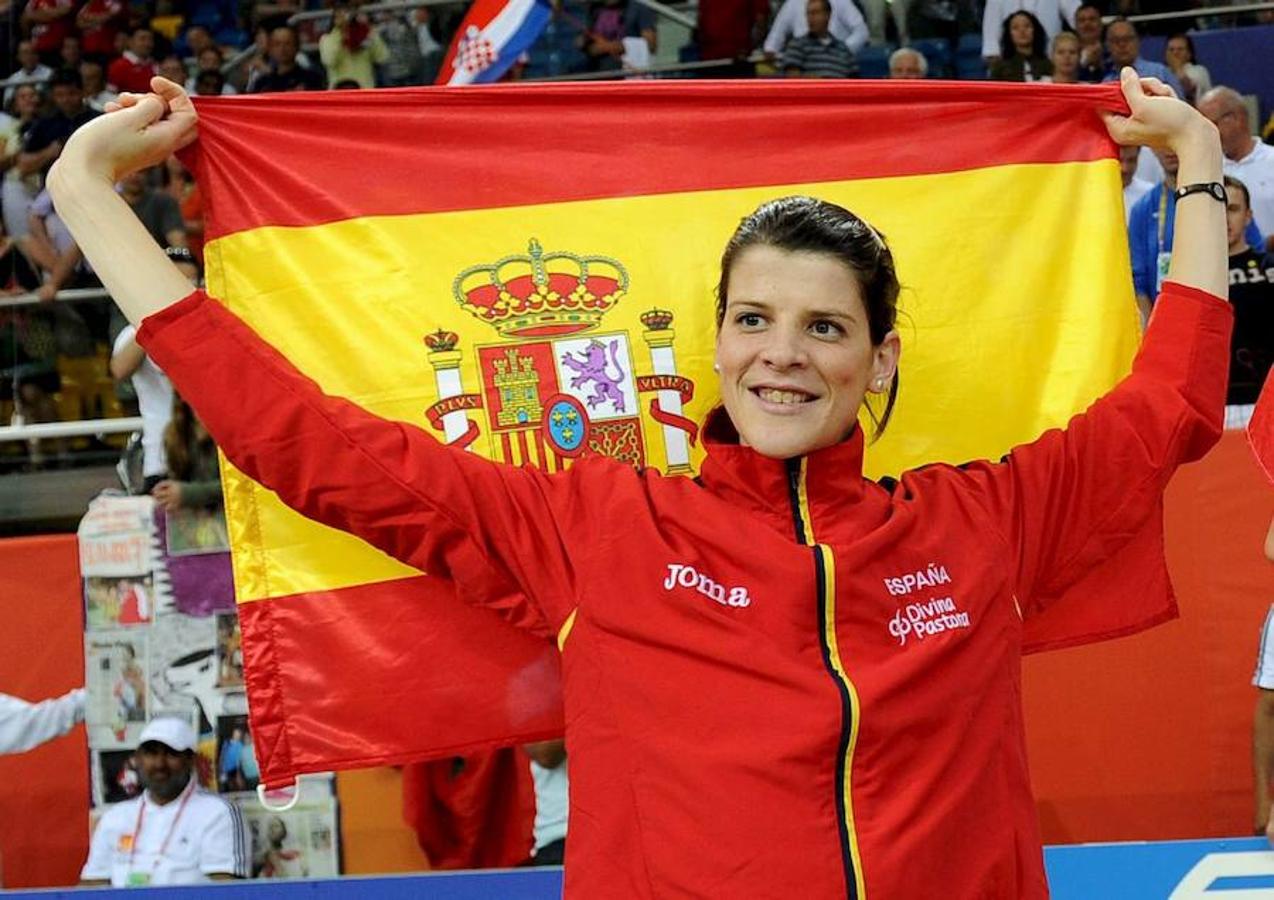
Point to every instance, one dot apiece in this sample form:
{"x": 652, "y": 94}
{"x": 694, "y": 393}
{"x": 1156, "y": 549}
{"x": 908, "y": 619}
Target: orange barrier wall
{"x": 1144, "y": 738}
{"x": 1149, "y": 737}
{"x": 44, "y": 793}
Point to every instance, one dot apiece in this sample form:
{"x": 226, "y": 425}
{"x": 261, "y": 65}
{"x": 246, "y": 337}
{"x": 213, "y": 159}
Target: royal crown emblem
{"x": 548, "y": 393}
{"x": 540, "y": 294}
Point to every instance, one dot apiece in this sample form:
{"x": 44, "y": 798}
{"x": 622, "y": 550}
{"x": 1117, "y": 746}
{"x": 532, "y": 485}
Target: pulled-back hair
{"x": 809, "y": 225}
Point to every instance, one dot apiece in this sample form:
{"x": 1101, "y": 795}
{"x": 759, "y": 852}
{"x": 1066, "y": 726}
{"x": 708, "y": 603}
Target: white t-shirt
{"x": 155, "y": 400}
{"x": 1053, "y": 14}
{"x": 552, "y": 789}
{"x": 181, "y": 842}
{"x": 1256, "y": 171}
{"x": 1135, "y": 190}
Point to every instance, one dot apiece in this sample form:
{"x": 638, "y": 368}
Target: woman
{"x": 1022, "y": 56}
{"x": 1064, "y": 57}
{"x": 1178, "y": 53}
{"x": 779, "y": 673}
{"x": 193, "y": 481}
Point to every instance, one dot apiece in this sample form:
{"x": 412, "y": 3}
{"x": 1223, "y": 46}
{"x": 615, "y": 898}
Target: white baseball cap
{"x": 171, "y": 732}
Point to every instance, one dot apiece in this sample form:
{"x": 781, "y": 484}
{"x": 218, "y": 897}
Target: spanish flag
{"x": 527, "y": 272}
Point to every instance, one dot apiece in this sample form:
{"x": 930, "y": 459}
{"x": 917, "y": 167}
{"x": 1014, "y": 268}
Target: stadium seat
{"x": 937, "y": 53}
{"x": 873, "y": 60}
{"x": 968, "y": 61}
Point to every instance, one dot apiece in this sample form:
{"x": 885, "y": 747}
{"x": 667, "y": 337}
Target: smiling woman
{"x": 806, "y": 308}
{"x": 781, "y": 672}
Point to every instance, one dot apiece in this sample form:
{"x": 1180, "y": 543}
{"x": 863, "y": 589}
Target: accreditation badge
{"x": 137, "y": 879}
{"x": 1161, "y": 269}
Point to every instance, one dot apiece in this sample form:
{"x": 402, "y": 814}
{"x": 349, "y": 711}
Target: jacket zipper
{"x": 825, "y": 580}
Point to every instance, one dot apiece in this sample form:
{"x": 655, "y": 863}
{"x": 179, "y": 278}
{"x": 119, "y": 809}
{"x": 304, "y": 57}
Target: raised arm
{"x": 140, "y": 131}
{"x": 1075, "y": 497}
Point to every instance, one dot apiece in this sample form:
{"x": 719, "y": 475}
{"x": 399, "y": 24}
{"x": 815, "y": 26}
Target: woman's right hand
{"x": 137, "y": 131}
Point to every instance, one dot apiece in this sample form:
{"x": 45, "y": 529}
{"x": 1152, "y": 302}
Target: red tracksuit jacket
{"x": 780, "y": 679}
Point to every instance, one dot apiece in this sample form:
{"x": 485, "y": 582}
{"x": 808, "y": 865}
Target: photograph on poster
{"x": 115, "y": 667}
{"x": 112, "y": 602}
{"x": 119, "y": 779}
{"x": 237, "y": 768}
{"x": 183, "y": 669}
{"x": 193, "y": 531}
{"x": 297, "y": 843}
{"x": 229, "y": 651}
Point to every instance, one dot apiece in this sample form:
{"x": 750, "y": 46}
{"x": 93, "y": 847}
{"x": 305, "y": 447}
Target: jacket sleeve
{"x": 26, "y": 725}
{"x": 494, "y": 530}
{"x": 1075, "y": 497}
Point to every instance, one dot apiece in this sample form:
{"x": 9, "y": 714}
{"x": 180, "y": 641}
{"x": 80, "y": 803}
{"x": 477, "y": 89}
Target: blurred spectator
{"x": 731, "y": 29}
{"x": 209, "y": 59}
{"x": 1178, "y": 53}
{"x": 907, "y": 63}
{"x": 611, "y": 22}
{"x": 210, "y": 84}
{"x": 1053, "y": 16}
{"x": 352, "y": 49}
{"x": 1150, "y": 234}
{"x": 193, "y": 479}
{"x": 1021, "y": 55}
{"x": 1123, "y": 47}
{"x": 172, "y": 68}
{"x": 273, "y": 13}
{"x": 1246, "y": 158}
{"x": 817, "y": 54}
{"x": 1092, "y": 51}
{"x": 846, "y": 25}
{"x": 347, "y": 84}
{"x": 71, "y": 54}
{"x": 30, "y": 71}
{"x": 50, "y": 21}
{"x": 196, "y": 40}
{"x": 28, "y": 346}
{"x": 431, "y": 50}
{"x": 100, "y": 23}
{"x": 134, "y": 69}
{"x": 157, "y": 211}
{"x": 1252, "y": 297}
{"x": 405, "y": 65}
{"x": 876, "y": 26}
{"x": 1134, "y": 188}
{"x": 180, "y": 185}
{"x": 93, "y": 78}
{"x": 145, "y": 466}
{"x": 1064, "y": 58}
{"x": 18, "y": 189}
{"x": 48, "y": 134}
{"x": 284, "y": 72}
{"x": 50, "y": 245}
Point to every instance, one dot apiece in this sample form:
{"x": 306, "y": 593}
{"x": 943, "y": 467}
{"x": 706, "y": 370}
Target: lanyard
{"x": 141, "y": 816}
{"x": 1163, "y": 216}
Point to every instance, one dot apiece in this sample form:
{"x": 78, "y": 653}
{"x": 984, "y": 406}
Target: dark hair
{"x": 66, "y": 78}
{"x": 809, "y": 225}
{"x": 1231, "y": 181}
{"x": 1185, "y": 37}
{"x": 827, "y": 5}
{"x": 1008, "y": 49}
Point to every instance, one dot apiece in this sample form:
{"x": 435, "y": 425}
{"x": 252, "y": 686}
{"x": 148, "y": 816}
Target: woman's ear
{"x": 885, "y": 362}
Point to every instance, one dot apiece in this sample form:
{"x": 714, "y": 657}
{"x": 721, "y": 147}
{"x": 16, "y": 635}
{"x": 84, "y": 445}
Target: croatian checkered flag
{"x": 491, "y": 38}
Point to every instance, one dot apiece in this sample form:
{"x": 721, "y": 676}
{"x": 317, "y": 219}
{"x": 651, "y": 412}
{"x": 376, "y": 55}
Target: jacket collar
{"x": 830, "y": 478}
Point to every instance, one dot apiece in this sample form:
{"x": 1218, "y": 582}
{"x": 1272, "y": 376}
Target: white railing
{"x": 31, "y": 298}
{"x": 1197, "y": 13}
{"x": 87, "y": 428}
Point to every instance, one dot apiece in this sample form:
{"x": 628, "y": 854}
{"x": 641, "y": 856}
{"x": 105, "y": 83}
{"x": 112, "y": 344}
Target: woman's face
{"x": 1177, "y": 52}
{"x": 1023, "y": 34}
{"x": 1065, "y": 58}
{"x": 794, "y": 351}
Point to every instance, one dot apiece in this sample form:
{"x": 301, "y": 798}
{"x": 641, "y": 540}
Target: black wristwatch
{"x": 1213, "y": 189}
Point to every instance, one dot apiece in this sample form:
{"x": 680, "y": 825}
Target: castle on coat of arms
{"x": 557, "y": 388}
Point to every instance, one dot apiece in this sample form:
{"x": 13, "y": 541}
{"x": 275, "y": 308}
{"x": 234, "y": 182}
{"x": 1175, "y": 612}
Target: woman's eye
{"x": 749, "y": 320}
{"x": 823, "y": 328}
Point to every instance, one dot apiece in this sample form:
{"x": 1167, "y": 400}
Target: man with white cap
{"x": 174, "y": 832}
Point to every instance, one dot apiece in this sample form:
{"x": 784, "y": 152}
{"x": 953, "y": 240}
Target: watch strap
{"x": 1214, "y": 189}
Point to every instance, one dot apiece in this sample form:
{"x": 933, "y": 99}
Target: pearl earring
{"x": 716, "y": 367}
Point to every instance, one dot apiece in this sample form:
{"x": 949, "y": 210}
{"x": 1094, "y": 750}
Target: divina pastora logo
{"x": 928, "y": 617}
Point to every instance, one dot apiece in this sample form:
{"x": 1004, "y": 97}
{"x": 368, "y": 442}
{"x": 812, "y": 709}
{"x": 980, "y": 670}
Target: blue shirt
{"x": 1149, "y": 69}
{"x": 1145, "y": 245}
